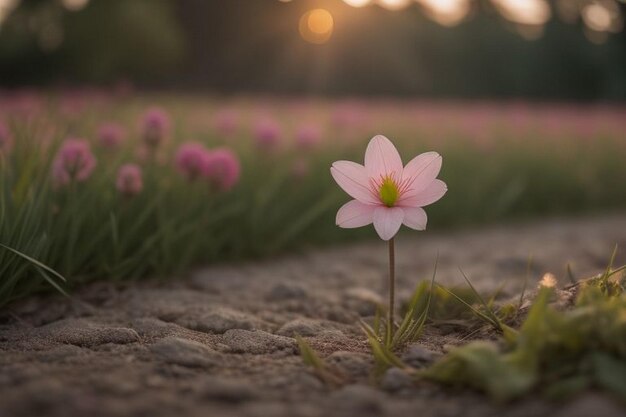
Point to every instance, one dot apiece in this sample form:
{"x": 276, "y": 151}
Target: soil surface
{"x": 220, "y": 341}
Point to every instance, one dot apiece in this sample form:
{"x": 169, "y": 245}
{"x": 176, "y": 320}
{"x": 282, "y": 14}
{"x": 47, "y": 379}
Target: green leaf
{"x": 610, "y": 373}
{"x": 34, "y": 262}
{"x": 480, "y": 365}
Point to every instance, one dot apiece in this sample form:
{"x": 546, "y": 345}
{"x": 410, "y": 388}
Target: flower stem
{"x": 392, "y": 277}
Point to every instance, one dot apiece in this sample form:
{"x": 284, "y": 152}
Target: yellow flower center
{"x": 388, "y": 192}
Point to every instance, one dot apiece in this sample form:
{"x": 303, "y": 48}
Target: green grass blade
{"x": 34, "y": 262}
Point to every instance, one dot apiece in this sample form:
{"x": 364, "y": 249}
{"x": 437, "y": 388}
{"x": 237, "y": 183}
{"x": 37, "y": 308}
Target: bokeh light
{"x": 446, "y": 12}
{"x": 597, "y": 17}
{"x": 357, "y": 3}
{"x": 525, "y": 12}
{"x": 75, "y": 5}
{"x": 394, "y": 4}
{"x": 316, "y": 26}
{"x": 602, "y": 16}
{"x": 6, "y": 7}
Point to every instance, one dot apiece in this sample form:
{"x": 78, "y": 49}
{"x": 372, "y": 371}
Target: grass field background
{"x": 501, "y": 161}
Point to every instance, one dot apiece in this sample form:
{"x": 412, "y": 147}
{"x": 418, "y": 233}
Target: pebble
{"x": 62, "y": 353}
{"x": 220, "y": 319}
{"x": 185, "y": 352}
{"x": 257, "y": 342}
{"x": 286, "y": 291}
{"x": 226, "y": 390}
{"x": 419, "y": 356}
{"x": 355, "y": 365}
{"x": 395, "y": 379}
{"x": 357, "y": 400}
{"x": 305, "y": 327}
{"x": 363, "y": 300}
{"x": 591, "y": 405}
{"x": 81, "y": 332}
{"x": 152, "y": 327}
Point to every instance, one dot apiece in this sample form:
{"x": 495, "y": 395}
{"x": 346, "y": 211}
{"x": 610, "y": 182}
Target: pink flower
{"x": 267, "y": 133}
{"x": 226, "y": 122}
{"x": 300, "y": 168}
{"x": 386, "y": 193}
{"x": 191, "y": 160}
{"x": 223, "y": 169}
{"x": 155, "y": 125}
{"x": 348, "y": 115}
{"x": 308, "y": 136}
{"x": 6, "y": 139}
{"x": 129, "y": 180}
{"x": 73, "y": 162}
{"x": 111, "y": 135}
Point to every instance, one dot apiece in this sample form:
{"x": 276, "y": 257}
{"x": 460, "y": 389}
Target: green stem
{"x": 392, "y": 276}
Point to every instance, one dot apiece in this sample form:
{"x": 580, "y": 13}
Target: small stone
{"x": 591, "y": 405}
{"x": 62, "y": 353}
{"x": 226, "y": 390}
{"x": 448, "y": 347}
{"x": 395, "y": 379}
{"x": 294, "y": 381}
{"x": 220, "y": 319}
{"x": 357, "y": 400}
{"x": 266, "y": 409}
{"x": 151, "y": 327}
{"x": 286, "y": 291}
{"x": 305, "y": 327}
{"x": 257, "y": 342}
{"x": 419, "y": 356}
{"x": 85, "y": 333}
{"x": 363, "y": 300}
{"x": 356, "y": 365}
{"x": 184, "y": 352}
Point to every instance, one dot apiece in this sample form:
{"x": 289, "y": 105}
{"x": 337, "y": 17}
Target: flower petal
{"x": 387, "y": 221}
{"x": 353, "y": 179}
{"x": 427, "y": 196}
{"x": 355, "y": 214}
{"x": 422, "y": 170}
{"x": 382, "y": 158}
{"x": 415, "y": 218}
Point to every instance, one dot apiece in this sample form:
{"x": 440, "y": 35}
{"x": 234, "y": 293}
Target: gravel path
{"x": 219, "y": 342}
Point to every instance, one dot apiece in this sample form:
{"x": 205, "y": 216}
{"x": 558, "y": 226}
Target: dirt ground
{"x": 219, "y": 341}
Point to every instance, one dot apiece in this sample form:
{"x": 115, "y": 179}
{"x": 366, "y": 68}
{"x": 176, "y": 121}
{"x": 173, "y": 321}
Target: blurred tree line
{"x": 254, "y": 45}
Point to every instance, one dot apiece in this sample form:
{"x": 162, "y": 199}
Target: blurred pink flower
{"x": 129, "y": 180}
{"x": 226, "y": 122}
{"x": 6, "y": 139}
{"x": 308, "y": 136}
{"x": 300, "y": 168}
{"x": 155, "y": 126}
{"x": 386, "y": 193}
{"x": 26, "y": 104}
{"x": 267, "y": 133}
{"x": 348, "y": 115}
{"x": 123, "y": 87}
{"x": 74, "y": 161}
{"x": 223, "y": 168}
{"x": 111, "y": 135}
{"x": 191, "y": 160}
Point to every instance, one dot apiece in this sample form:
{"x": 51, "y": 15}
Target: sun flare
{"x": 316, "y": 26}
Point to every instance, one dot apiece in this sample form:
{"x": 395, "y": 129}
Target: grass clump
{"x": 556, "y": 352}
{"x": 384, "y": 345}
{"x": 326, "y": 373}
